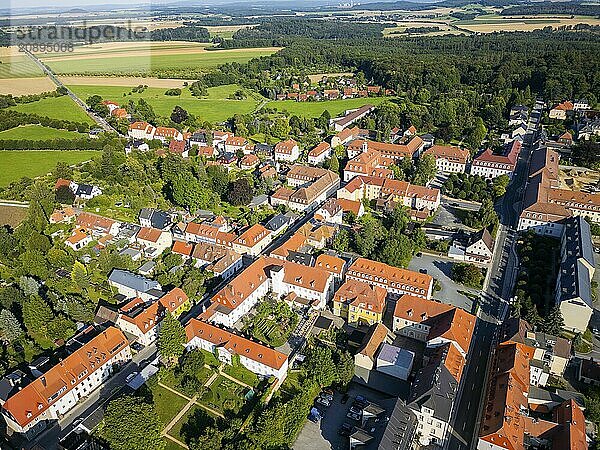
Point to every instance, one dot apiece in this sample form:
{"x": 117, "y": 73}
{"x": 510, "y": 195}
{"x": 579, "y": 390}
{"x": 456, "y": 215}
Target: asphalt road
{"x": 494, "y": 304}
{"x": 99, "y": 120}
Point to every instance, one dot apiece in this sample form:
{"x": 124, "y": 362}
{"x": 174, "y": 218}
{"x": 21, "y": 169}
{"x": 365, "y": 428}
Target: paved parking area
{"x": 324, "y": 435}
{"x": 440, "y": 269}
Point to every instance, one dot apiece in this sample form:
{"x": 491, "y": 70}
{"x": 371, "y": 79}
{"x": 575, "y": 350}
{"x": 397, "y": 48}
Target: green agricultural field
{"x": 214, "y": 108}
{"x": 315, "y": 109}
{"x": 119, "y": 63}
{"x": 37, "y": 133}
{"x": 15, "y": 165}
{"x": 56, "y": 108}
{"x": 18, "y": 66}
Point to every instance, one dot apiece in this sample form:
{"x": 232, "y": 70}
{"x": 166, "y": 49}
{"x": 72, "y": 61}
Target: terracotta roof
{"x": 393, "y": 151}
{"x": 451, "y": 153}
{"x": 242, "y": 286}
{"x": 35, "y": 398}
{"x": 330, "y": 263}
{"x": 235, "y": 344}
{"x": 349, "y": 205}
{"x": 572, "y": 434}
{"x": 283, "y": 193}
{"x": 139, "y": 126}
{"x": 294, "y": 243}
{"x": 149, "y": 234}
{"x": 95, "y": 222}
{"x": 390, "y": 275}
{"x": 565, "y": 106}
{"x": 285, "y": 146}
{"x": 321, "y": 148}
{"x": 208, "y": 252}
{"x": 182, "y": 248}
{"x": 249, "y": 160}
{"x": 377, "y": 334}
{"x": 418, "y": 310}
{"x": 62, "y": 182}
{"x": 78, "y": 235}
{"x": 143, "y": 315}
{"x": 177, "y": 147}
{"x": 509, "y": 156}
{"x": 252, "y": 235}
{"x": 202, "y": 230}
{"x": 347, "y": 133}
{"x": 236, "y": 141}
{"x": 311, "y": 278}
{"x": 361, "y": 295}
{"x": 455, "y": 325}
{"x": 167, "y": 132}
{"x": 173, "y": 299}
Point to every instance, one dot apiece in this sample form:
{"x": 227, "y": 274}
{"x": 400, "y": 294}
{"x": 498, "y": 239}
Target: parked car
{"x": 360, "y": 402}
{"x": 419, "y": 254}
{"x": 355, "y": 409}
{"x": 326, "y": 395}
{"x": 354, "y": 416}
{"x": 315, "y": 415}
{"x": 131, "y": 376}
{"x": 423, "y": 270}
{"x": 346, "y": 429}
{"x": 323, "y": 401}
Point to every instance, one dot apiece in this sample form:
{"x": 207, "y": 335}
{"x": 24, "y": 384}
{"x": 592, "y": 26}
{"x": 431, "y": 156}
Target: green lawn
{"x": 18, "y": 66}
{"x": 215, "y": 107}
{"x": 167, "y": 403}
{"x": 115, "y": 63}
{"x": 55, "y": 107}
{"x": 224, "y": 395}
{"x": 315, "y": 109}
{"x": 37, "y": 133}
{"x": 15, "y": 165}
{"x": 241, "y": 373}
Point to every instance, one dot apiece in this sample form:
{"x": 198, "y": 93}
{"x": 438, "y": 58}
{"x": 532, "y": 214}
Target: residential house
{"x": 167, "y": 134}
{"x": 359, "y": 303}
{"x": 180, "y": 148}
{"x": 97, "y": 225}
{"x": 479, "y": 249}
{"x": 154, "y": 218}
{"x": 176, "y": 302}
{"x": 330, "y": 212}
{"x": 395, "y": 280}
{"x": 288, "y": 151}
{"x": 79, "y": 239}
{"x": 332, "y": 264}
{"x": 57, "y": 391}
{"x": 552, "y": 353}
{"x": 561, "y": 111}
{"x": 141, "y": 130}
{"x": 222, "y": 261}
{"x": 449, "y": 159}
{"x": 351, "y": 206}
{"x": 198, "y": 138}
{"x": 183, "y": 249}
{"x": 319, "y": 154}
{"x": 258, "y": 358}
{"x": 588, "y": 371}
{"x": 347, "y": 135}
{"x": 136, "y": 144}
{"x": 253, "y": 240}
{"x": 233, "y": 144}
{"x": 86, "y": 191}
{"x": 366, "y": 357}
{"x": 314, "y": 186}
{"x": 317, "y": 235}
{"x": 63, "y": 215}
{"x": 491, "y": 165}
{"x": 154, "y": 241}
{"x": 395, "y": 361}
{"x": 141, "y": 319}
{"x": 131, "y": 285}
{"x": 249, "y": 162}
{"x": 279, "y": 222}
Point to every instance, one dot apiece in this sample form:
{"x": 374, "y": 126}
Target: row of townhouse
{"x": 395, "y": 152}
{"x": 387, "y": 190}
{"x": 30, "y": 408}
{"x": 447, "y": 333}
{"x": 507, "y": 422}
{"x": 546, "y": 205}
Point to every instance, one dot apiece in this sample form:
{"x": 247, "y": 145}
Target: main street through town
{"x": 494, "y": 302}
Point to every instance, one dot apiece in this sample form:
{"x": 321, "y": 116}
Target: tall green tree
{"x": 10, "y": 328}
{"x": 36, "y": 314}
{"x": 131, "y": 424}
{"x": 171, "y": 339}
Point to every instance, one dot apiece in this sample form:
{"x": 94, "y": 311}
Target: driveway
{"x": 440, "y": 268}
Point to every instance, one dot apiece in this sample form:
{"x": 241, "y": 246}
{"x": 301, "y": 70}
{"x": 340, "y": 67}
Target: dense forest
{"x": 552, "y": 8}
